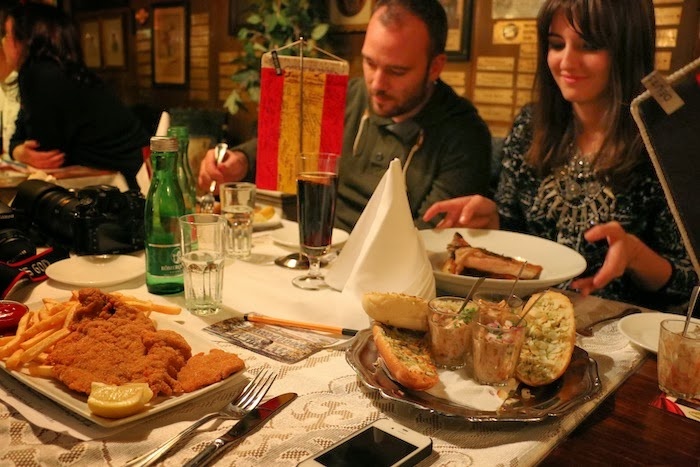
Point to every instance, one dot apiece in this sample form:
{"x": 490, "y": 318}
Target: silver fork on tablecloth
{"x": 243, "y": 403}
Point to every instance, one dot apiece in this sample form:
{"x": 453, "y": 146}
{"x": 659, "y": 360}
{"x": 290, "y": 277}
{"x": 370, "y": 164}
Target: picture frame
{"x": 459, "y": 26}
{"x": 113, "y": 44}
{"x": 237, "y": 10}
{"x": 170, "y": 44}
{"x": 350, "y": 15}
{"x": 91, "y": 42}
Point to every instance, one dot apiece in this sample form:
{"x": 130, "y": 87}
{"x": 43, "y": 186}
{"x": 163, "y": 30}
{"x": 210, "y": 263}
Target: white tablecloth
{"x": 332, "y": 401}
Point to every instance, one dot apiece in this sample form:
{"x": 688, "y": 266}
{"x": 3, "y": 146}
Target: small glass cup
{"x": 496, "y": 346}
{"x": 449, "y": 332}
{"x": 202, "y": 245}
{"x": 678, "y": 359}
{"x": 238, "y": 206}
{"x": 498, "y": 303}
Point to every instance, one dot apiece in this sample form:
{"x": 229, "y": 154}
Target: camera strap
{"x": 32, "y": 269}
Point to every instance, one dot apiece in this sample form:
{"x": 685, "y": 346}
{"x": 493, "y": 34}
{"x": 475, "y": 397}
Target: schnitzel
{"x": 114, "y": 343}
{"x": 205, "y": 369}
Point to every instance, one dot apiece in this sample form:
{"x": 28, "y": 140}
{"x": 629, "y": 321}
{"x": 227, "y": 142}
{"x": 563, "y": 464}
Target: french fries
{"x": 38, "y": 330}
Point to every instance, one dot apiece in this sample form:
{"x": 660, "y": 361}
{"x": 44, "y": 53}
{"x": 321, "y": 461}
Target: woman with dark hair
{"x": 575, "y": 169}
{"x": 67, "y": 115}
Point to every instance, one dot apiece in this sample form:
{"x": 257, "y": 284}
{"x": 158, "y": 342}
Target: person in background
{"x": 67, "y": 115}
{"x": 575, "y": 170}
{"x": 400, "y": 109}
{"x": 9, "y": 90}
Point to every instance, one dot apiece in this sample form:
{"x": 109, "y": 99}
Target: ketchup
{"x": 10, "y": 313}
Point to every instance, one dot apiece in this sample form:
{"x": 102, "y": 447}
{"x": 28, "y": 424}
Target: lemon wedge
{"x": 110, "y": 401}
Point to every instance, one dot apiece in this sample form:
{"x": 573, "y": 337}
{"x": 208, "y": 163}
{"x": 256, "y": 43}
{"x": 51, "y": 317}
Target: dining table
{"x": 614, "y": 425}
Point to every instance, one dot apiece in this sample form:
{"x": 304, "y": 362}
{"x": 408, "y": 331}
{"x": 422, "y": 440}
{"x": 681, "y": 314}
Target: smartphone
{"x": 383, "y": 443}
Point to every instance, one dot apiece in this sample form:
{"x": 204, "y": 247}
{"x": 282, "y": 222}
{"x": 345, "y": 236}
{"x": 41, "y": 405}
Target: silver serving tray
{"x": 577, "y": 385}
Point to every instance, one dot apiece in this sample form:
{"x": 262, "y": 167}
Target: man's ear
{"x": 436, "y": 66}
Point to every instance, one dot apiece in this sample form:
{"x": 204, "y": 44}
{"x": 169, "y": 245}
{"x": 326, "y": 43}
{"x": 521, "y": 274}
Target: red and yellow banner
{"x": 316, "y": 105}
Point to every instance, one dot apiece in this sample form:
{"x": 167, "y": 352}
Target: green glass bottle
{"x": 184, "y": 171}
{"x": 164, "y": 205}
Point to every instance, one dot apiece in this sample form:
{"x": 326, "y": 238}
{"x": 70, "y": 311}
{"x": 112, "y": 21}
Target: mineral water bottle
{"x": 184, "y": 172}
{"x": 164, "y": 205}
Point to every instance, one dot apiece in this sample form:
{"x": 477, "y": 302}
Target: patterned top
{"x": 562, "y": 205}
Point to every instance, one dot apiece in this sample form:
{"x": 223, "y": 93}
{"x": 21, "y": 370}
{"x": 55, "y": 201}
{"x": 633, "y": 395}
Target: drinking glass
{"x": 238, "y": 205}
{"x": 450, "y": 335}
{"x": 202, "y": 243}
{"x": 496, "y": 346}
{"x": 317, "y": 186}
{"x": 678, "y": 359}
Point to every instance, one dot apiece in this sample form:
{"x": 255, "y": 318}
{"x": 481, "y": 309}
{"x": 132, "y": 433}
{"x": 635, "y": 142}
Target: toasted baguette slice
{"x": 550, "y": 339}
{"x": 406, "y": 356}
{"x": 397, "y": 309}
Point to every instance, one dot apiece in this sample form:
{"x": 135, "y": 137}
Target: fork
{"x": 206, "y": 202}
{"x": 243, "y": 403}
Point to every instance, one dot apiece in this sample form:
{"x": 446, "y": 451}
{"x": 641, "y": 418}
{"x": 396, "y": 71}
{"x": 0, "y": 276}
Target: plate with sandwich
{"x": 460, "y": 256}
{"x": 393, "y": 357}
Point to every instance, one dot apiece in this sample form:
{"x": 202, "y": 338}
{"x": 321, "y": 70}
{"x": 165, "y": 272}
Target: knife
{"x": 252, "y": 420}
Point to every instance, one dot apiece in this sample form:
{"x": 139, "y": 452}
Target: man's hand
{"x": 232, "y": 169}
{"x": 29, "y": 153}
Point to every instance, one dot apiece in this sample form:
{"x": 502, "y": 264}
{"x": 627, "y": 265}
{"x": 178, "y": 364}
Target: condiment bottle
{"x": 184, "y": 171}
{"x": 164, "y": 205}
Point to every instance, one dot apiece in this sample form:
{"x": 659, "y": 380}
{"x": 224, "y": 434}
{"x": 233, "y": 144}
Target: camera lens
{"x": 55, "y": 212}
{"x": 15, "y": 246}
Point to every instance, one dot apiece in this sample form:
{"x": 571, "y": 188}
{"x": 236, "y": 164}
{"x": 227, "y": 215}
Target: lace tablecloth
{"x": 332, "y": 403}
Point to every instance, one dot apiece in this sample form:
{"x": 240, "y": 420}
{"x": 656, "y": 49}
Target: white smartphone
{"x": 383, "y": 443}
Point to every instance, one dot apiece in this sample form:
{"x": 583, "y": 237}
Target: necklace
{"x": 577, "y": 197}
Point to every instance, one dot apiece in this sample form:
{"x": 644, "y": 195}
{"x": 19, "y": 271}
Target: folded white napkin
{"x": 163, "y": 124}
{"x": 384, "y": 253}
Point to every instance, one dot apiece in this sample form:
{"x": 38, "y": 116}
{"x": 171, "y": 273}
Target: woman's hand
{"x": 474, "y": 211}
{"x": 232, "y": 169}
{"x": 626, "y": 253}
{"x": 28, "y": 153}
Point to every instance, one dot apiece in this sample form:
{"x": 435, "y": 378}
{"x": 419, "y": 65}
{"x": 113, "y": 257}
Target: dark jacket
{"x": 87, "y": 122}
{"x": 453, "y": 158}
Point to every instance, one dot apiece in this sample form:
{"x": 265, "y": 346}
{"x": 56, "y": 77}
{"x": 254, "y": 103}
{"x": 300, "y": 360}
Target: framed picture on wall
{"x": 170, "y": 44}
{"x": 113, "y": 45}
{"x": 350, "y": 15}
{"x": 459, "y": 25}
{"x": 90, "y": 42}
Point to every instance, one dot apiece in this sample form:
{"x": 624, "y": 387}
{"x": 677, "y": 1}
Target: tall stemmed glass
{"x": 317, "y": 186}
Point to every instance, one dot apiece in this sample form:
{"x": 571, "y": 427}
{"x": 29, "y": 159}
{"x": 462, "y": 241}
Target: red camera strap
{"x": 32, "y": 269}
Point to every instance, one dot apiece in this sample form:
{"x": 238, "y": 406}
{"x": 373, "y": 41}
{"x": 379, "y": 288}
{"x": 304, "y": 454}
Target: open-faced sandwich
{"x": 399, "y": 328}
{"x": 550, "y": 339}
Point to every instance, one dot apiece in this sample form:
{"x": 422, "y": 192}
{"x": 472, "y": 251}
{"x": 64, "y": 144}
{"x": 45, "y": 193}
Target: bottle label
{"x": 164, "y": 260}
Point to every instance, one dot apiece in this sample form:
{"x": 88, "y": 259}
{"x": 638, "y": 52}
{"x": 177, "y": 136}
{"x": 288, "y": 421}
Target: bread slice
{"x": 550, "y": 339}
{"x": 397, "y": 309}
{"x": 406, "y": 356}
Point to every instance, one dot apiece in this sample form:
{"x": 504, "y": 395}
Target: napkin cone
{"x": 384, "y": 252}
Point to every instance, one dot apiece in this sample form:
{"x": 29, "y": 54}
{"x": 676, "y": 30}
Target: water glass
{"x": 238, "y": 206}
{"x": 449, "y": 333}
{"x": 496, "y": 346}
{"x": 678, "y": 359}
{"x": 317, "y": 187}
{"x": 202, "y": 242}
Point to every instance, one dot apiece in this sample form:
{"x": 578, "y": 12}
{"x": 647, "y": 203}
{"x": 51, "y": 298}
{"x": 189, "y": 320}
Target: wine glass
{"x": 317, "y": 186}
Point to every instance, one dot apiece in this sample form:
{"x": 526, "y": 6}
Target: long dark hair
{"x": 626, "y": 29}
{"x": 47, "y": 33}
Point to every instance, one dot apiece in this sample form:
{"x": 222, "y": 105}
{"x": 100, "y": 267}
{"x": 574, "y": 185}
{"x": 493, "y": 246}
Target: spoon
{"x": 476, "y": 285}
{"x": 517, "y": 278}
{"x": 691, "y": 308}
{"x": 207, "y": 201}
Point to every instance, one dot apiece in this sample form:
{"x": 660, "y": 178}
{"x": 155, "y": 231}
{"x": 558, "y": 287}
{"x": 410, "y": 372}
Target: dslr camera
{"x": 98, "y": 219}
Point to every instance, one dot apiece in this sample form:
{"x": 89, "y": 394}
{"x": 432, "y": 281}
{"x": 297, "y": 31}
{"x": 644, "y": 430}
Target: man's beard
{"x": 414, "y": 100}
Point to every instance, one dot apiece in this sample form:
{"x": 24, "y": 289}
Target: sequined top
{"x": 562, "y": 205}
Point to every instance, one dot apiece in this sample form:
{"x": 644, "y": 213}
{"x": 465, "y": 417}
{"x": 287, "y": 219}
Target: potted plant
{"x": 271, "y": 24}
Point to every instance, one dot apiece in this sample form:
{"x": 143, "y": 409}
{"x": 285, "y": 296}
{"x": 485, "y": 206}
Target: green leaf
{"x": 319, "y": 31}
